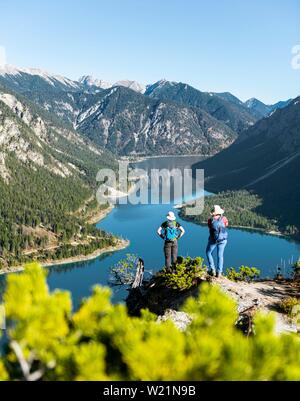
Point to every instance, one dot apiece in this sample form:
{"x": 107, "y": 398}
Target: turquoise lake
{"x": 139, "y": 223}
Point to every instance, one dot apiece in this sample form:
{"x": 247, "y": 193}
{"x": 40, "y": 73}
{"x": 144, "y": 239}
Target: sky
{"x": 240, "y": 46}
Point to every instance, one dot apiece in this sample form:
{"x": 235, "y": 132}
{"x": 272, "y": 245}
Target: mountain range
{"x": 130, "y": 123}
{"x": 260, "y": 110}
{"x": 122, "y": 119}
{"x": 229, "y": 112}
{"x": 61, "y": 131}
{"x": 89, "y": 82}
{"x": 130, "y": 119}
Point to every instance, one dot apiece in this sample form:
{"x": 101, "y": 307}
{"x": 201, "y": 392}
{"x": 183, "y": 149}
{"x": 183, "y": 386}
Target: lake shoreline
{"x": 139, "y": 159}
{"x": 121, "y": 244}
{"x": 96, "y": 218}
{"x": 245, "y": 228}
{"x": 100, "y": 215}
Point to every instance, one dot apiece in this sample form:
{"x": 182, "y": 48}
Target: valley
{"x": 149, "y": 194}
{"x": 138, "y": 224}
{"x": 56, "y": 133}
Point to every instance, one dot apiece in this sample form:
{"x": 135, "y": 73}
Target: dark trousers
{"x": 171, "y": 252}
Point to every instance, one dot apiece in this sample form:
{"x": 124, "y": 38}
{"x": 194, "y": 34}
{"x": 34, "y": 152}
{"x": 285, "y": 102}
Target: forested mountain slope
{"x": 266, "y": 160}
{"x": 46, "y": 173}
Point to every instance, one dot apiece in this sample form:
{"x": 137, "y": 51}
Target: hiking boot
{"x": 212, "y": 273}
{"x": 219, "y": 275}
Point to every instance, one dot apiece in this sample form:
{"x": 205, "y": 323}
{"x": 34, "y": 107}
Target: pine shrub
{"x": 101, "y": 341}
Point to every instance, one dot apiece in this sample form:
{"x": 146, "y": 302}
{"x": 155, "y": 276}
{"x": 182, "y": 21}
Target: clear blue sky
{"x": 241, "y": 46}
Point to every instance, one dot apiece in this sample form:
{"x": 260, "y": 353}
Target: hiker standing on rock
{"x": 170, "y": 231}
{"x": 218, "y": 235}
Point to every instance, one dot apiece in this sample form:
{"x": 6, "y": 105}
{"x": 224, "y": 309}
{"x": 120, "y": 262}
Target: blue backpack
{"x": 171, "y": 231}
{"x": 218, "y": 232}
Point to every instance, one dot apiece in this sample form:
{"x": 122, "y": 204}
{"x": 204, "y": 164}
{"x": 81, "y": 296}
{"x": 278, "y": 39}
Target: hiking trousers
{"x": 171, "y": 252}
{"x": 211, "y": 246}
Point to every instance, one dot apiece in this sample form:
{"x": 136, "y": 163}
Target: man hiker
{"x": 170, "y": 231}
{"x": 218, "y": 235}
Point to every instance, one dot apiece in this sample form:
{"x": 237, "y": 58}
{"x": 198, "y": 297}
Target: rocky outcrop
{"x": 250, "y": 297}
{"x": 180, "y": 319}
{"x": 263, "y": 296}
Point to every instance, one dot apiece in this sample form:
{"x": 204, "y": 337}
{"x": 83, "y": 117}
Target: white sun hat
{"x": 171, "y": 216}
{"x": 217, "y": 210}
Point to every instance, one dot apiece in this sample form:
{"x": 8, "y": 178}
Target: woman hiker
{"x": 218, "y": 235}
{"x": 170, "y": 231}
